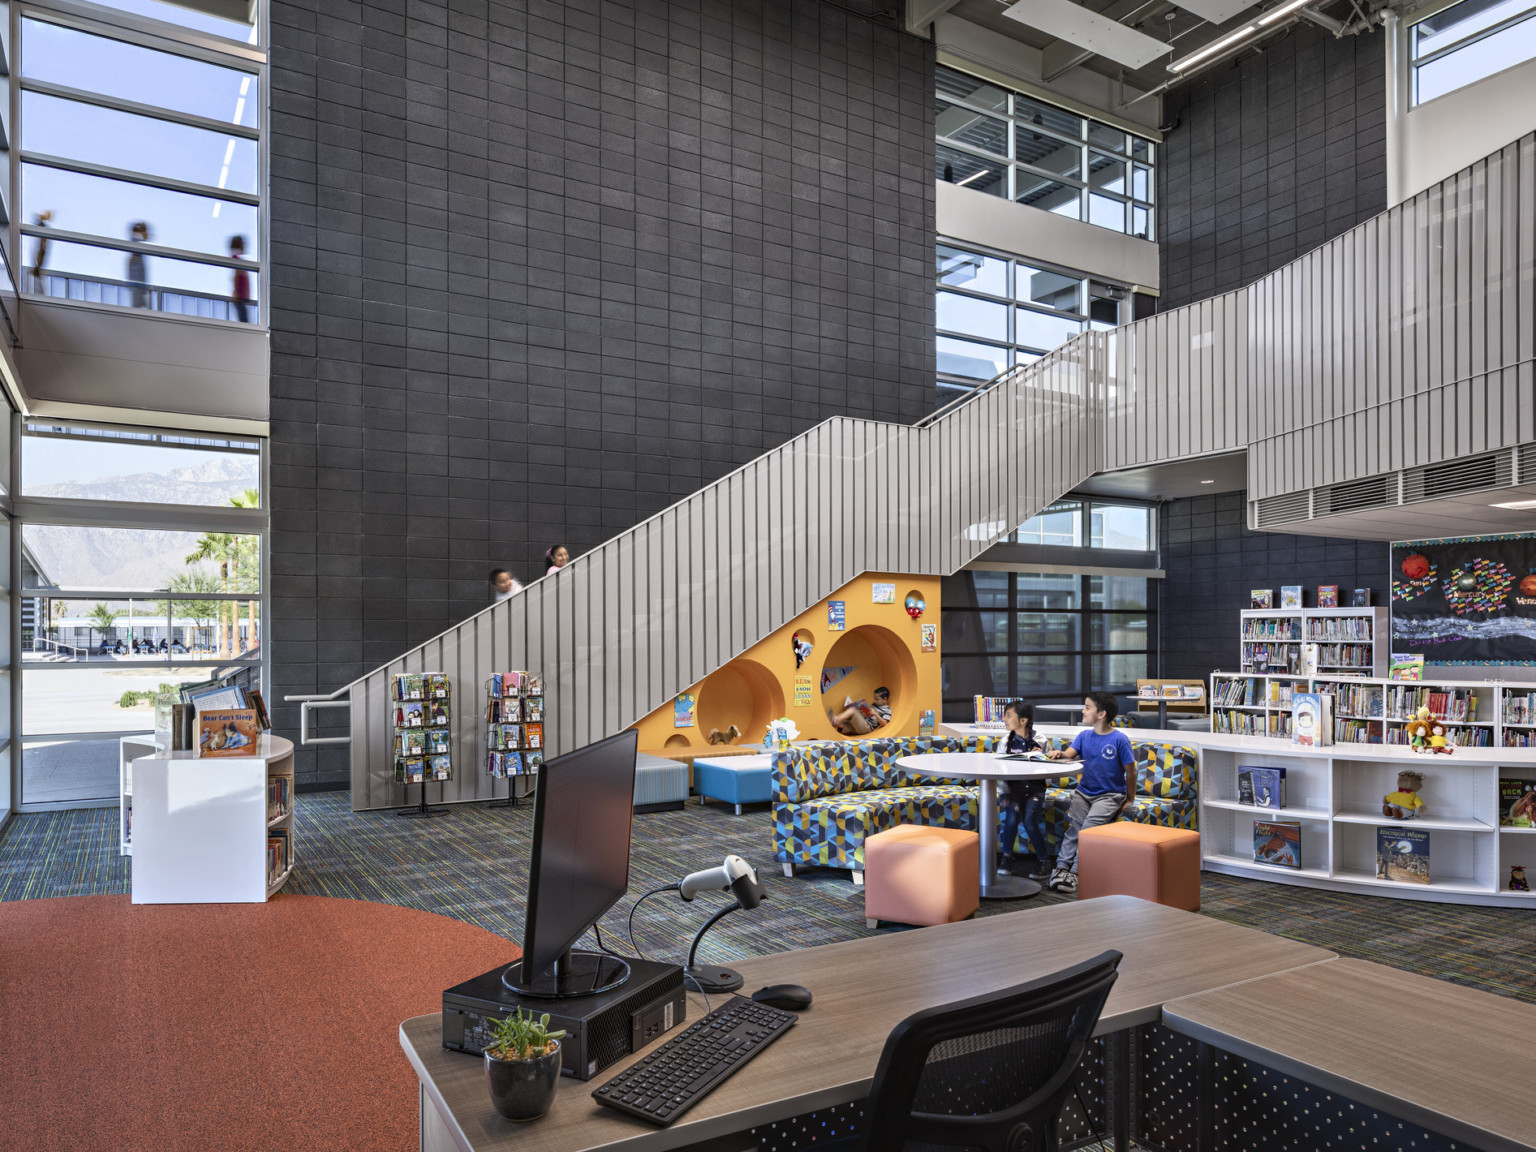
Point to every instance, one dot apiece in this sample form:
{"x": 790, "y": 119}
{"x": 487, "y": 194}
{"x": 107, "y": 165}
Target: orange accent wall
{"x": 759, "y": 685}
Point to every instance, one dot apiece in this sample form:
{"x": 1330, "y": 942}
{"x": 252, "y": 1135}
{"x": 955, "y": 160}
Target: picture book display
{"x": 1327, "y": 595}
{"x": 1277, "y": 842}
{"x": 1517, "y": 803}
{"x": 1311, "y": 719}
{"x": 423, "y": 739}
{"x": 227, "y": 732}
{"x": 514, "y": 734}
{"x": 1290, "y": 596}
{"x": 1261, "y": 598}
{"x": 1261, "y": 787}
{"x": 1360, "y": 598}
{"x": 1402, "y": 855}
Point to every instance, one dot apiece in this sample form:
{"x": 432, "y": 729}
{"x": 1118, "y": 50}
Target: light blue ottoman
{"x": 659, "y": 784}
{"x": 737, "y": 780}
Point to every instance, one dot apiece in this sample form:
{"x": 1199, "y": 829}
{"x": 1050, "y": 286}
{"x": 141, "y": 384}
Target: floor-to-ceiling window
{"x": 141, "y": 162}
{"x": 141, "y": 568}
{"x": 1054, "y": 635}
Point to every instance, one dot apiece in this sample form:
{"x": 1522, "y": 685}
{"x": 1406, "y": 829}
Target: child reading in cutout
{"x": 1106, "y": 787}
{"x": 859, "y": 717}
{"x": 1025, "y": 799}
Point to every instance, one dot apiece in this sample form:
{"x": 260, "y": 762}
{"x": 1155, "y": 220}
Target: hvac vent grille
{"x": 1286, "y": 509}
{"x": 1453, "y": 477}
{"x": 1527, "y": 458}
{"x": 1372, "y": 492}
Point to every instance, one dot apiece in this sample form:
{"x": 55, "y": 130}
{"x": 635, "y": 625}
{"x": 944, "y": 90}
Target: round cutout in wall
{"x": 743, "y": 693}
{"x": 803, "y": 643}
{"x": 915, "y": 603}
{"x": 869, "y": 657}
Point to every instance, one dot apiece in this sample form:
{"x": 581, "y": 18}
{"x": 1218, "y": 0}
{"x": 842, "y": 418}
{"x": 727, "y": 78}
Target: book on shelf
{"x": 253, "y": 700}
{"x": 1402, "y": 855}
{"x": 1360, "y": 598}
{"x": 1311, "y": 719}
{"x": 436, "y": 712}
{"x": 440, "y": 767}
{"x": 279, "y": 796}
{"x": 227, "y": 732}
{"x": 438, "y": 741}
{"x": 989, "y": 711}
{"x": 1357, "y": 731}
{"x": 1261, "y": 787}
{"x": 533, "y": 735}
{"x": 1457, "y": 705}
{"x": 533, "y": 761}
{"x": 1517, "y": 803}
{"x": 533, "y": 707}
{"x": 1402, "y": 667}
{"x": 410, "y": 714}
{"x": 1519, "y": 707}
{"x": 214, "y": 694}
{"x": 437, "y": 686}
{"x": 1277, "y": 842}
{"x": 411, "y": 686}
{"x": 1327, "y": 595}
{"x": 410, "y": 742}
{"x": 279, "y": 853}
{"x": 1238, "y": 723}
{"x": 410, "y": 769}
{"x": 1290, "y": 596}
{"x": 1307, "y": 662}
{"x": 1261, "y": 598}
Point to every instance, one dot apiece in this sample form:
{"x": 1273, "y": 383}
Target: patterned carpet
{"x": 470, "y": 864}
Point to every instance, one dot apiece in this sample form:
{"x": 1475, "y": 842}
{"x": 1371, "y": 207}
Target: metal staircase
{"x": 1322, "y": 370}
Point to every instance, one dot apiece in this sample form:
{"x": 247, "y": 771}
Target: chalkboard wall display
{"x": 1465, "y": 601}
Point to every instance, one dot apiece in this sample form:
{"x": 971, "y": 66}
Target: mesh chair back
{"x": 989, "y": 1073}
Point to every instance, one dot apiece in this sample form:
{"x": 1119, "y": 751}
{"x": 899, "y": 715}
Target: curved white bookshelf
{"x": 1336, "y": 793}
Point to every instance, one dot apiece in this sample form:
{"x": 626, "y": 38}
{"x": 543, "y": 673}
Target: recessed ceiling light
{"x": 1517, "y": 505}
{"x": 1207, "y": 481}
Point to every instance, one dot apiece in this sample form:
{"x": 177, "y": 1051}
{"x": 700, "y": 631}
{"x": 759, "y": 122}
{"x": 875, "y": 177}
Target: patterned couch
{"x": 828, "y": 797}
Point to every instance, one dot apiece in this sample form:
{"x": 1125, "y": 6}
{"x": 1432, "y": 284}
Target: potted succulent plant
{"x": 522, "y": 1065}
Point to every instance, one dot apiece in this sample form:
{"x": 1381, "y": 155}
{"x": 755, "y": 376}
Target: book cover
{"x": 436, "y": 712}
{"x": 441, "y": 767}
{"x": 1268, "y": 787}
{"x": 410, "y": 770}
{"x": 837, "y": 616}
{"x": 1290, "y": 596}
{"x": 682, "y": 710}
{"x": 925, "y": 722}
{"x": 409, "y": 714}
{"x": 1245, "y": 785}
{"x": 413, "y": 686}
{"x": 533, "y": 761}
{"x": 207, "y": 697}
{"x": 1146, "y": 691}
{"x": 1307, "y": 665}
{"x": 1517, "y": 803}
{"x": 883, "y": 594}
{"x": 227, "y": 732}
{"x": 1193, "y": 691}
{"x": 1327, "y": 595}
{"x": 930, "y": 637}
{"x": 511, "y": 710}
{"x": 533, "y": 684}
{"x": 1261, "y": 598}
{"x": 1360, "y": 598}
{"x": 253, "y": 698}
{"x": 1404, "y": 667}
{"x": 1402, "y": 855}
{"x": 533, "y": 708}
{"x": 409, "y": 742}
{"x": 1311, "y": 719}
{"x": 1277, "y": 842}
{"x": 511, "y": 764}
{"x": 437, "y": 686}
{"x": 437, "y": 741}
{"x": 533, "y": 736}
{"x": 1173, "y": 691}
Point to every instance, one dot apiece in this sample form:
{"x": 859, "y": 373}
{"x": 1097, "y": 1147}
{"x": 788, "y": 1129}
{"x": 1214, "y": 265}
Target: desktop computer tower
{"x": 599, "y": 1029}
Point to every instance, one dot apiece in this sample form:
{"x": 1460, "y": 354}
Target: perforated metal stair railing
{"x": 1320, "y": 367}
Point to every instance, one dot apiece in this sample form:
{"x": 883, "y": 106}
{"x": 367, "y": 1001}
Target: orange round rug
{"x": 232, "y": 1026}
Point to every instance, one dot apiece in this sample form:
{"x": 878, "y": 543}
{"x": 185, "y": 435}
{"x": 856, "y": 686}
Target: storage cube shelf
{"x": 1350, "y": 640}
{"x": 1336, "y": 796}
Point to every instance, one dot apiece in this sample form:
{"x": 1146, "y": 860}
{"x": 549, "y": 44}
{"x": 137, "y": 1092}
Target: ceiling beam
{"x": 921, "y": 13}
{"x": 1062, "y": 55}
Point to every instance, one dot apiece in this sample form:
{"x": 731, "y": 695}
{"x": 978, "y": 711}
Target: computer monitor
{"x": 578, "y": 869}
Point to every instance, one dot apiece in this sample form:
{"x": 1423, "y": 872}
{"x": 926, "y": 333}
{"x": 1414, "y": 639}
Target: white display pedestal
{"x": 129, "y": 749}
{"x": 200, "y": 825}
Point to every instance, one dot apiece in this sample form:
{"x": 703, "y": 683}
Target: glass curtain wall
{"x": 1006, "y": 144}
{"x": 1468, "y": 41}
{"x": 142, "y": 559}
{"x": 141, "y": 158}
{"x": 995, "y": 312}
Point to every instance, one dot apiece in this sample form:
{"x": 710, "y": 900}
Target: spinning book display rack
{"x": 514, "y": 733}
{"x": 423, "y": 737}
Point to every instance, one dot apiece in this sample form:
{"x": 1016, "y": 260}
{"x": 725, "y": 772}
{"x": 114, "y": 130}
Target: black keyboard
{"x": 694, "y": 1063}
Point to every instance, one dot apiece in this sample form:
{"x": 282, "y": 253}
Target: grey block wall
{"x": 540, "y": 269}
{"x": 1271, "y": 157}
{"x": 1213, "y": 561}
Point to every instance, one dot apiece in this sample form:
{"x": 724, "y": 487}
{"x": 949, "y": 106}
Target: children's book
{"x": 1173, "y": 691}
{"x": 253, "y": 698}
{"x": 410, "y": 742}
{"x": 1360, "y": 598}
{"x": 1327, "y": 595}
{"x": 1517, "y": 803}
{"x": 509, "y": 711}
{"x": 437, "y": 712}
{"x": 410, "y": 770}
{"x": 1261, "y": 787}
{"x": 409, "y": 714}
{"x": 227, "y": 732}
{"x": 533, "y": 684}
{"x": 437, "y": 686}
{"x": 1277, "y": 842}
{"x": 533, "y": 736}
{"x": 533, "y": 761}
{"x": 412, "y": 686}
{"x": 533, "y": 708}
{"x": 438, "y": 741}
{"x": 511, "y": 764}
{"x": 441, "y": 767}
{"x": 1290, "y": 596}
{"x": 1147, "y": 691}
{"x": 1261, "y": 598}
{"x": 1402, "y": 854}
{"x": 1311, "y": 719}
{"x": 925, "y": 722}
{"x": 1405, "y": 667}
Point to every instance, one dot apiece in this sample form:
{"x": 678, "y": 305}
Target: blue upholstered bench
{"x": 737, "y": 780}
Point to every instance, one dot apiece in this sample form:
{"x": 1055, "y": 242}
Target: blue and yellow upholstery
{"x": 828, "y": 797}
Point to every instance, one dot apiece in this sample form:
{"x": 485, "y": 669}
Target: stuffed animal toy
{"x": 1437, "y": 740}
{"x": 1418, "y": 730}
{"x": 1405, "y": 804}
{"x": 1517, "y": 880}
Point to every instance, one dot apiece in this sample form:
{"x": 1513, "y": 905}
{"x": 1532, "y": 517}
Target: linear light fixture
{"x": 1253, "y": 27}
{"x": 1517, "y": 505}
{"x": 976, "y": 175}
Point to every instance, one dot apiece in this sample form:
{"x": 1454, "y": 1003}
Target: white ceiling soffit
{"x": 1075, "y": 24}
{"x": 1214, "y": 11}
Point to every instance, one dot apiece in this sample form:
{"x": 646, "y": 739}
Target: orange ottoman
{"x": 1146, "y": 860}
{"x": 914, "y": 874}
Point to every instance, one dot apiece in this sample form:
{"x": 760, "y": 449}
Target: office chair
{"x": 987, "y": 1073}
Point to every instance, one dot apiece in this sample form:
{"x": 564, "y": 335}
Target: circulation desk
{"x": 862, "y": 989}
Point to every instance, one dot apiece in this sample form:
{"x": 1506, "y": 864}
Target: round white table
{"x": 986, "y": 768}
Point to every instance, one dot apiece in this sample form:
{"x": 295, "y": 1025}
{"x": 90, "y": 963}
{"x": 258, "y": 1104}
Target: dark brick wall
{"x": 540, "y": 269}
{"x": 1272, "y": 156}
{"x": 1213, "y": 561}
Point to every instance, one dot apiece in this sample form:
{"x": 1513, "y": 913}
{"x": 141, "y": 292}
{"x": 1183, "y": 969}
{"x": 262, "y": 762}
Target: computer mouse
{"x": 790, "y": 997}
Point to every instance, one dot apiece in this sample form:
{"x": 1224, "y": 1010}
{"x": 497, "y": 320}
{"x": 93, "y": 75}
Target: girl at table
{"x": 1024, "y": 799}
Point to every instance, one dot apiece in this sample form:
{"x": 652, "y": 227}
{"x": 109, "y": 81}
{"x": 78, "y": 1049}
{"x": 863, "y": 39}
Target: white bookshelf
{"x": 129, "y": 748}
{"x": 1351, "y": 641}
{"x": 1336, "y": 792}
{"x": 201, "y": 825}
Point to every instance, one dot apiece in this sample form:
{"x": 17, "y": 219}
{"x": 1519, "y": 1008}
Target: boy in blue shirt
{"x": 1106, "y": 787}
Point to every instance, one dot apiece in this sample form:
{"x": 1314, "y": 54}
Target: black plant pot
{"x": 523, "y": 1089}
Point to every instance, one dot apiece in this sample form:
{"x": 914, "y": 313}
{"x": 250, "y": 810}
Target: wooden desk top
{"x": 1422, "y": 1050}
{"x": 863, "y": 988}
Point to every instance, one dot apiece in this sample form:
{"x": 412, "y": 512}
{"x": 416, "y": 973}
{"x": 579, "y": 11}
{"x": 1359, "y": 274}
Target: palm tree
{"x": 218, "y": 547}
{"x": 239, "y": 561}
{"x": 249, "y": 561}
{"x": 200, "y": 612}
{"x": 103, "y": 618}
